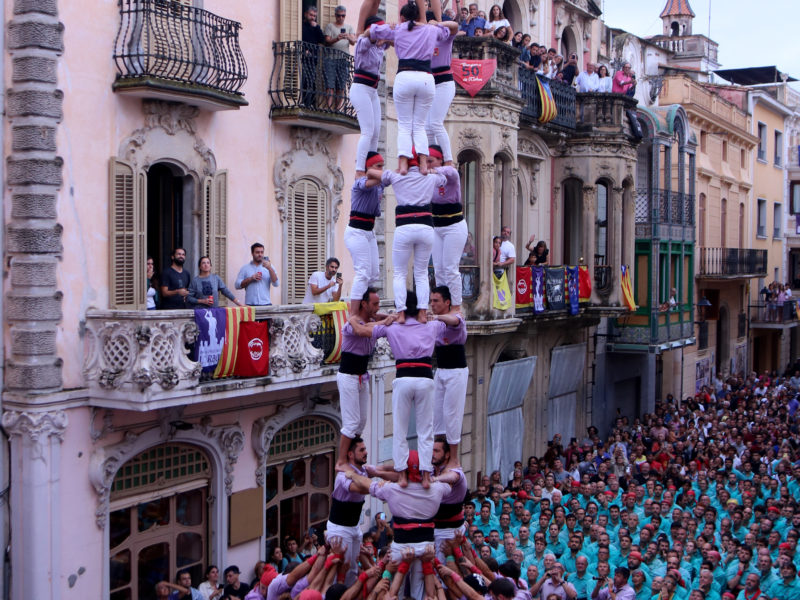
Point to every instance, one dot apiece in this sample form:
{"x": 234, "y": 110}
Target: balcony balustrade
{"x": 731, "y": 263}
{"x": 165, "y": 49}
{"x": 773, "y": 314}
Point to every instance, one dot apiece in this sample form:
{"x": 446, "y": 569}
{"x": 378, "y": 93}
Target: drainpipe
{"x": 5, "y": 571}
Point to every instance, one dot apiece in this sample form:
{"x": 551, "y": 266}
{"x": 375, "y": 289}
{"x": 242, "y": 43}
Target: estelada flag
{"x": 252, "y": 358}
{"x": 627, "y": 288}
{"x": 584, "y": 284}
{"x": 524, "y": 287}
{"x": 337, "y": 313}
{"x": 227, "y": 359}
{"x": 472, "y": 75}
{"x": 549, "y": 110}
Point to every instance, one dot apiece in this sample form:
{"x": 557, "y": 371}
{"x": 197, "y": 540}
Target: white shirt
{"x": 318, "y": 279}
{"x": 587, "y": 82}
{"x": 507, "y": 251}
{"x": 604, "y": 84}
{"x": 497, "y": 24}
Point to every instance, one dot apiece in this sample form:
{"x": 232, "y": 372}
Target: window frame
{"x": 794, "y": 197}
{"x": 777, "y": 221}
{"x": 761, "y": 220}
{"x": 762, "y": 142}
{"x": 778, "y": 157}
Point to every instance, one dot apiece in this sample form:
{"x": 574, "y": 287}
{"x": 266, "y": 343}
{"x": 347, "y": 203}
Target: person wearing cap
{"x": 367, "y": 60}
{"x": 616, "y": 588}
{"x": 233, "y": 587}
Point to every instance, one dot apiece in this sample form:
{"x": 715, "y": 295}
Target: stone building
{"x": 138, "y": 126}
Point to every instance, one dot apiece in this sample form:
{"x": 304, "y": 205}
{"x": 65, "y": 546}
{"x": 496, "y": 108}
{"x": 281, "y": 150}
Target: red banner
{"x": 472, "y": 75}
{"x": 252, "y": 359}
{"x": 585, "y": 283}
{"x": 524, "y": 287}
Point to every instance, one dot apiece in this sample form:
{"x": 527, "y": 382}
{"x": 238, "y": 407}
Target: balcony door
{"x": 292, "y": 12}
{"x": 573, "y": 219}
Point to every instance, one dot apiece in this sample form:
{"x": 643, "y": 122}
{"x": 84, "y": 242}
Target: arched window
{"x": 158, "y": 519}
{"x": 307, "y": 239}
{"x": 601, "y": 226}
{"x": 675, "y": 29}
{"x": 572, "y": 224}
{"x": 469, "y": 169}
{"x": 299, "y": 479}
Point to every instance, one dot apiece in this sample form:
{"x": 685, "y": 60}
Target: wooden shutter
{"x": 327, "y": 12}
{"x": 215, "y": 222}
{"x": 291, "y": 20}
{"x": 127, "y": 245}
{"x": 307, "y": 237}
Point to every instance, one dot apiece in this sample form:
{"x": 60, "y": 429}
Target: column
{"x": 35, "y": 502}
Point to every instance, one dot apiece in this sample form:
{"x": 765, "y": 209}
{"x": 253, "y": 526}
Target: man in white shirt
{"x": 588, "y": 80}
{"x": 507, "y": 252}
{"x": 324, "y": 286}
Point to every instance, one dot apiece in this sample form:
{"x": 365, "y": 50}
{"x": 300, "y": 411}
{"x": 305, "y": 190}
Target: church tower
{"x": 677, "y": 18}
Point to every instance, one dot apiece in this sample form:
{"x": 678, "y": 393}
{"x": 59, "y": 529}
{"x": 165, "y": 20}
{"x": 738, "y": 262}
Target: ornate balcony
{"x": 771, "y": 315}
{"x": 664, "y": 214}
{"x": 504, "y": 79}
{"x": 299, "y": 87}
{"x": 165, "y": 49}
{"x": 732, "y": 263}
{"x": 605, "y": 114}
{"x": 140, "y": 360}
{"x": 563, "y": 95}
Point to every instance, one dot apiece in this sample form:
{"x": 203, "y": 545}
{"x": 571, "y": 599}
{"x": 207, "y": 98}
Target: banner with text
{"x": 472, "y": 75}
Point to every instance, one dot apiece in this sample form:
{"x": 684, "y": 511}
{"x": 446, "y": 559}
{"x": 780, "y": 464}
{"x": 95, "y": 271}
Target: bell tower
{"x": 677, "y": 17}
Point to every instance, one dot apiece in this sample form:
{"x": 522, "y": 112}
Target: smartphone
{"x": 338, "y": 276}
{"x": 342, "y": 30}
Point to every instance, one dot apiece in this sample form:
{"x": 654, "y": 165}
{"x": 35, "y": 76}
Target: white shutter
{"x": 215, "y": 222}
{"x": 127, "y": 245}
{"x": 307, "y": 236}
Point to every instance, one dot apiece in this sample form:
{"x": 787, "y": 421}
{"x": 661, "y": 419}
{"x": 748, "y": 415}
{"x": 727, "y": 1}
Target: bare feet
{"x": 401, "y": 317}
{"x": 403, "y": 480}
{"x": 403, "y": 165}
{"x": 426, "y": 479}
{"x": 423, "y": 164}
{"x": 422, "y": 315}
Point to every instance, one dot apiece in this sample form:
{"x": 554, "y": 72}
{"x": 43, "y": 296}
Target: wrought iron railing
{"x": 673, "y": 207}
{"x": 563, "y": 95}
{"x": 504, "y": 78}
{"x": 733, "y": 261}
{"x": 602, "y": 279}
{"x": 774, "y": 312}
{"x": 470, "y": 281}
{"x": 311, "y": 77}
{"x": 168, "y": 40}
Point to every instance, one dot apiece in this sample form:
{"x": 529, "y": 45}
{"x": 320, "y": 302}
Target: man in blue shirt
{"x": 256, "y": 277}
{"x": 473, "y": 21}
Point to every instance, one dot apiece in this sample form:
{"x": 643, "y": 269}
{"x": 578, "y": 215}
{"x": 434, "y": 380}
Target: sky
{"x": 749, "y": 34}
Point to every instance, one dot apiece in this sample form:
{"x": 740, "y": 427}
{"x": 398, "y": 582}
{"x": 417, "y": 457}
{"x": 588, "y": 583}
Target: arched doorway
{"x": 170, "y": 206}
{"x": 723, "y": 340}
{"x": 569, "y": 45}
{"x": 513, "y": 13}
{"x": 158, "y": 519}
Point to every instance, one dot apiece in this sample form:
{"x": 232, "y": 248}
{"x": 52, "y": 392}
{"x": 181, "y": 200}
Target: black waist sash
{"x": 346, "y": 514}
{"x": 415, "y": 367}
{"x": 361, "y": 220}
{"x": 366, "y": 78}
{"x": 353, "y": 364}
{"x": 447, "y": 214}
{"x": 451, "y": 356}
{"x": 409, "y": 215}
{"x": 449, "y": 516}
{"x": 411, "y": 531}
{"x": 413, "y": 64}
{"x": 442, "y": 74}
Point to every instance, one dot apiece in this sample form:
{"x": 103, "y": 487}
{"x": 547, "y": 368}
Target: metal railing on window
{"x": 168, "y": 40}
{"x": 313, "y": 77}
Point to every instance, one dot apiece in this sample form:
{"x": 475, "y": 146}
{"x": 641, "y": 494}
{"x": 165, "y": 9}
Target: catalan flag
{"x": 227, "y": 359}
{"x": 549, "y": 110}
{"x": 627, "y": 288}
{"x": 334, "y": 316}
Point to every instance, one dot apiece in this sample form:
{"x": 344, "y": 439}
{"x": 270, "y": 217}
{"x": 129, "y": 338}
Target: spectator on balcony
{"x": 182, "y": 588}
{"x": 175, "y": 282}
{"x": 570, "y": 70}
{"x": 256, "y": 277}
{"x": 324, "y": 286}
{"x": 516, "y": 40}
{"x": 623, "y": 80}
{"x": 364, "y": 94}
{"x": 535, "y": 60}
{"x": 603, "y": 79}
{"x": 152, "y": 285}
{"x": 210, "y": 589}
{"x": 539, "y": 254}
{"x": 204, "y": 290}
{"x": 498, "y": 270}
{"x": 507, "y": 252}
{"x": 556, "y": 67}
{"x": 525, "y": 51}
{"x": 501, "y": 34}
{"x": 472, "y": 21}
{"x": 339, "y": 36}
{"x": 588, "y": 80}
{"x": 463, "y": 16}
{"x": 313, "y": 38}
{"x": 497, "y": 20}
{"x": 671, "y": 303}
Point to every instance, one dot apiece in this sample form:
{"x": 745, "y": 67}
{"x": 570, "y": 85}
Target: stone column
{"x": 33, "y": 108}
{"x": 486, "y": 228}
{"x": 35, "y": 502}
{"x": 589, "y": 232}
{"x": 617, "y": 237}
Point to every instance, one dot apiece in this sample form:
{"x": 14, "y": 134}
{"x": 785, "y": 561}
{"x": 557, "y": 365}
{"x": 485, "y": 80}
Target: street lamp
{"x": 702, "y": 305}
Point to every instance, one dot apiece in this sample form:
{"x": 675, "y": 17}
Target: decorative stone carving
{"x": 291, "y": 351}
{"x": 265, "y": 428}
{"x": 36, "y": 427}
{"x": 469, "y": 138}
{"x": 534, "y": 195}
{"x": 171, "y": 116}
{"x": 534, "y": 147}
{"x": 310, "y": 146}
{"x": 484, "y": 111}
{"x": 231, "y": 441}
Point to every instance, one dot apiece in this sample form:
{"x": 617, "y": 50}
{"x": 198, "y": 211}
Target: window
{"x": 152, "y": 211}
{"x": 762, "y": 142}
{"x": 742, "y": 158}
{"x": 778, "y": 149}
{"x": 777, "y": 219}
{"x": 701, "y": 220}
{"x": 761, "y": 225}
{"x": 703, "y": 141}
{"x": 723, "y": 223}
{"x": 724, "y": 151}
{"x": 601, "y": 232}
{"x": 469, "y": 169}
{"x": 299, "y": 479}
{"x": 291, "y": 12}
{"x": 158, "y": 519}
{"x": 307, "y": 246}
{"x": 794, "y": 192}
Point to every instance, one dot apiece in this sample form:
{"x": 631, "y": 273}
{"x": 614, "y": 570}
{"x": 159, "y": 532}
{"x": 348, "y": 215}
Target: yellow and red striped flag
{"x": 227, "y": 358}
{"x": 337, "y": 312}
{"x": 627, "y": 288}
{"x": 549, "y": 110}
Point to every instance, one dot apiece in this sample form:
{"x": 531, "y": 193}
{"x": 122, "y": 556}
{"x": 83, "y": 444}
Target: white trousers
{"x": 415, "y": 577}
{"x": 363, "y": 247}
{"x": 416, "y": 239}
{"x": 450, "y": 394}
{"x": 351, "y": 538}
{"x": 413, "y": 97}
{"x": 368, "y": 112}
{"x": 448, "y": 246}
{"x": 443, "y": 535}
{"x": 353, "y": 402}
{"x": 416, "y": 393}
{"x": 434, "y": 127}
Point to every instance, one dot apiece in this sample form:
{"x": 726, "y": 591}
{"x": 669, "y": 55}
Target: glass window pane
{"x": 294, "y": 474}
{"x": 189, "y": 508}
{"x": 153, "y": 566}
{"x": 320, "y": 505}
{"x": 153, "y": 513}
{"x": 272, "y": 521}
{"x": 121, "y": 594}
{"x": 272, "y": 482}
{"x": 188, "y": 549}
{"x": 321, "y": 471}
{"x": 120, "y": 569}
{"x": 119, "y": 527}
{"x": 294, "y": 516}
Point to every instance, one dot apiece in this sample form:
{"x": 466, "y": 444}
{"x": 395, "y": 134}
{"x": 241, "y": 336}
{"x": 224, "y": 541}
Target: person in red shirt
{"x": 624, "y": 82}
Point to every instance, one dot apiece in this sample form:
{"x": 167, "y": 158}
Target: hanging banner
{"x": 472, "y": 75}
{"x": 572, "y": 288}
{"x": 524, "y": 287}
{"x": 537, "y": 274}
{"x": 555, "y": 287}
{"x": 211, "y": 325}
{"x": 501, "y": 295}
{"x": 252, "y": 357}
{"x": 549, "y": 110}
{"x": 584, "y": 284}
{"x": 627, "y": 289}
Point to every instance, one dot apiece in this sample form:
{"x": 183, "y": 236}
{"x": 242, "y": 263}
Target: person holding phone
{"x": 325, "y": 286}
{"x": 339, "y": 36}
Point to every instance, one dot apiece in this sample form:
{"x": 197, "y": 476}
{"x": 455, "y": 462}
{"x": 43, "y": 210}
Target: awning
{"x": 754, "y": 75}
